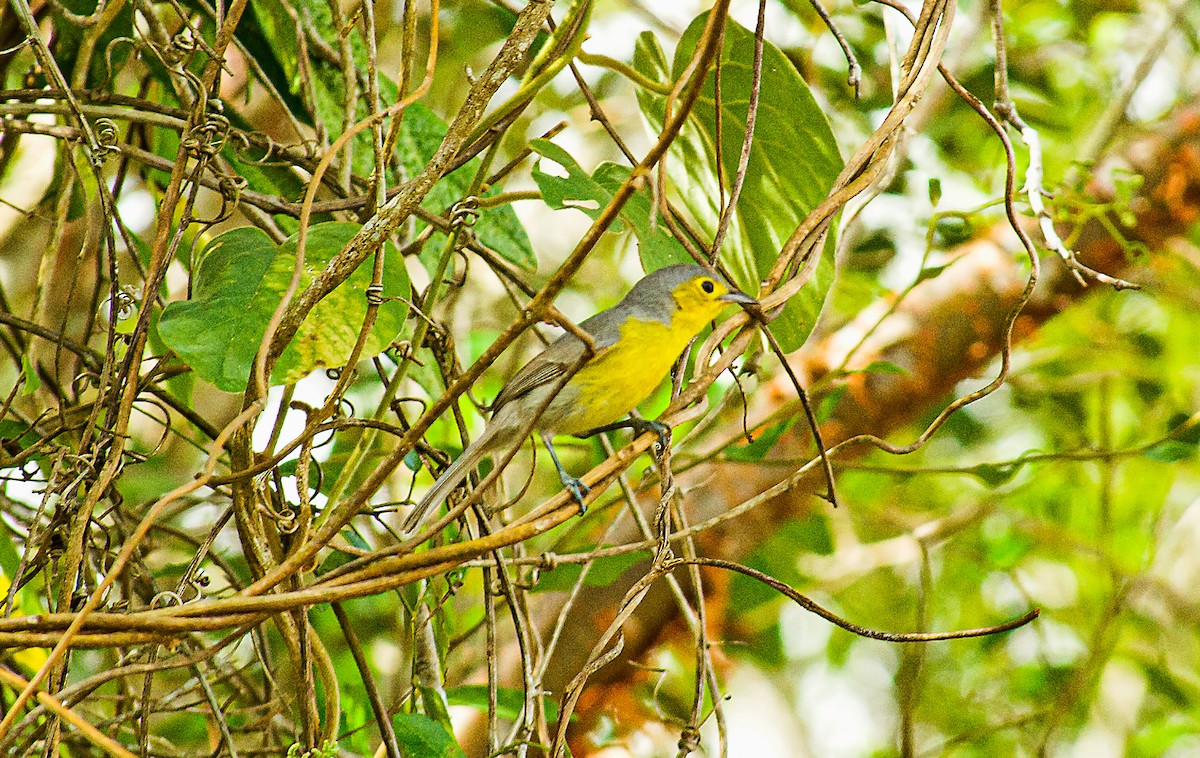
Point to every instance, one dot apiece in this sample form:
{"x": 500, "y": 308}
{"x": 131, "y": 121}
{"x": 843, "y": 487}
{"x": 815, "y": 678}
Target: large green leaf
{"x": 590, "y": 193}
{"x": 498, "y": 228}
{"x": 242, "y": 277}
{"x": 315, "y": 89}
{"x": 270, "y": 37}
{"x": 793, "y": 163}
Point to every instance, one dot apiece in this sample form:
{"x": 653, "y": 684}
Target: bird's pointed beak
{"x": 740, "y": 298}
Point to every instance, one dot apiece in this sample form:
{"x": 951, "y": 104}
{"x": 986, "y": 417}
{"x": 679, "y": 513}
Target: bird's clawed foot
{"x": 641, "y": 425}
{"x": 579, "y": 491}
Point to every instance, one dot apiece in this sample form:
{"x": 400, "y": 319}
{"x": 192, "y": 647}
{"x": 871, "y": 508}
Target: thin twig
{"x": 1033, "y": 189}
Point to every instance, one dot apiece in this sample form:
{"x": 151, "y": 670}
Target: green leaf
{"x": 328, "y": 86}
{"x": 269, "y": 35}
{"x": 212, "y": 332}
{"x": 1171, "y": 451}
{"x": 758, "y": 449}
{"x": 355, "y": 540}
{"x": 950, "y": 231}
{"x": 576, "y": 190}
{"x": 264, "y": 33}
{"x": 10, "y": 561}
{"x": 1163, "y": 683}
{"x": 1183, "y": 443}
{"x": 22, "y": 435}
{"x": 279, "y": 25}
{"x": 288, "y": 468}
{"x": 1185, "y": 428}
{"x": 935, "y": 191}
{"x": 267, "y": 178}
{"x": 883, "y": 367}
{"x": 811, "y": 535}
{"x": 509, "y": 702}
{"x": 656, "y": 247}
{"x": 828, "y": 403}
{"x": 422, "y": 737}
{"x": 433, "y": 701}
{"x": 241, "y": 278}
{"x": 994, "y": 475}
{"x": 498, "y": 228}
{"x": 931, "y": 272}
{"x": 793, "y": 162}
{"x": 328, "y": 334}
{"x": 335, "y": 560}
{"x": 413, "y": 462}
{"x": 589, "y": 194}
{"x": 32, "y": 381}
{"x": 338, "y": 558}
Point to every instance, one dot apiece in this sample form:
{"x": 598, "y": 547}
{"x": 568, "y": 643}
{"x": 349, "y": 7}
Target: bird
{"x": 635, "y": 342}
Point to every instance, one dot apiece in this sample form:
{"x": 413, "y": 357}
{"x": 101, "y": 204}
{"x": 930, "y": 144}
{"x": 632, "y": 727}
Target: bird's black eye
{"x": 707, "y": 286}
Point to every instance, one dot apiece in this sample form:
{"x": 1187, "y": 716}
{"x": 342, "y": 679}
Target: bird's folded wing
{"x": 548, "y": 368}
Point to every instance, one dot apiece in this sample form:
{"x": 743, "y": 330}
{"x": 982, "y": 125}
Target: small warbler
{"x": 636, "y": 343}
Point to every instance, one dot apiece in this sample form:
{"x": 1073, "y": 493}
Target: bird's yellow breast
{"x": 620, "y": 377}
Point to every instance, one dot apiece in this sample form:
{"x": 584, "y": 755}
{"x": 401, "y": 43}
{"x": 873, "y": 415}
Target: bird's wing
{"x": 546, "y": 368}
{"x": 560, "y": 356}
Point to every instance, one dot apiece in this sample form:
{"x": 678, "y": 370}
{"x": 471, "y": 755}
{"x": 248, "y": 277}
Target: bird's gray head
{"x": 663, "y": 291}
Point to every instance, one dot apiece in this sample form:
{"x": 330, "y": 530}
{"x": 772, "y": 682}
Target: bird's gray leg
{"x": 639, "y": 425}
{"x": 578, "y": 489}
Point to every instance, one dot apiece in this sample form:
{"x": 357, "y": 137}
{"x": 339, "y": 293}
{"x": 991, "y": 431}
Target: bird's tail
{"x": 450, "y": 478}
